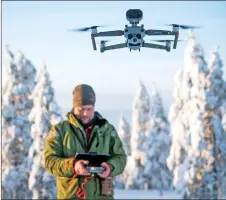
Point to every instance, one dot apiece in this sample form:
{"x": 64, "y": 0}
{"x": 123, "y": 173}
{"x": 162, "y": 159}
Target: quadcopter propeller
{"x": 84, "y": 28}
{"x": 184, "y": 26}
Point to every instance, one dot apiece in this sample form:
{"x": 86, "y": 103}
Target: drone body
{"x": 135, "y": 34}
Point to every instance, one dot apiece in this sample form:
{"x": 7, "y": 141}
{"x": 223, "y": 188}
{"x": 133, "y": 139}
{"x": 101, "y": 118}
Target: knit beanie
{"x": 83, "y": 95}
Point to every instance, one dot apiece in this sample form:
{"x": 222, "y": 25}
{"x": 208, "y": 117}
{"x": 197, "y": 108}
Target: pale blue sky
{"x": 39, "y": 29}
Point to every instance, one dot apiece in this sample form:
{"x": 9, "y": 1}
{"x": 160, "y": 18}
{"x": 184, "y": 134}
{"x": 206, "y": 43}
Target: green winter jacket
{"x": 68, "y": 138}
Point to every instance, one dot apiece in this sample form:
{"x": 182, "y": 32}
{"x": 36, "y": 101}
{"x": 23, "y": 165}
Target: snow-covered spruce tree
{"x": 192, "y": 155}
{"x": 139, "y": 131}
{"x": 8, "y": 84}
{"x": 180, "y": 159}
{"x": 157, "y": 174}
{"x": 221, "y": 159}
{"x": 16, "y": 138}
{"x": 179, "y": 112}
{"x": 124, "y": 134}
{"x": 131, "y": 172}
{"x": 217, "y": 92}
{"x": 10, "y": 68}
{"x": 45, "y": 113}
{"x": 223, "y": 111}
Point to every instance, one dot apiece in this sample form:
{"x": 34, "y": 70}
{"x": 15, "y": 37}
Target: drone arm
{"x": 175, "y": 40}
{"x": 109, "y": 33}
{"x": 115, "y": 46}
{"x": 158, "y": 32}
{"x": 93, "y": 42}
{"x": 155, "y": 46}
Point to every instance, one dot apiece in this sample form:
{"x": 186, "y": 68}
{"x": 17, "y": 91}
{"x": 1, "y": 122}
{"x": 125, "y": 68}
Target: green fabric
{"x": 63, "y": 142}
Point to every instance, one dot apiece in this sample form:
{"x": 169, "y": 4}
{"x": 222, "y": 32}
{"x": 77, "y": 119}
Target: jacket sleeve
{"x": 54, "y": 159}
{"x": 118, "y": 159}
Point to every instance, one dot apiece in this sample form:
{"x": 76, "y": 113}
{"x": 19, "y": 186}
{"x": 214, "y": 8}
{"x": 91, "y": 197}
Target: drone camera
{"x": 138, "y": 36}
{"x": 134, "y": 16}
{"x": 134, "y": 39}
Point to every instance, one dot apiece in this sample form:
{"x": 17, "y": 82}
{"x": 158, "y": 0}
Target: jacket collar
{"x": 72, "y": 119}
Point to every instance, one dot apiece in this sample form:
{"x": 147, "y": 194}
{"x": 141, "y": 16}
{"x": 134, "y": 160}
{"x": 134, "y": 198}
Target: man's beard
{"x": 85, "y": 120}
{"x": 88, "y": 123}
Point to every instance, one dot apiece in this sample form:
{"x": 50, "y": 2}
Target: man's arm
{"x": 118, "y": 160}
{"x": 55, "y": 163}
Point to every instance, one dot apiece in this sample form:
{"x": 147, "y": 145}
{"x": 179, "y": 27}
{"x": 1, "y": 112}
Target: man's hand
{"x": 80, "y": 167}
{"x": 107, "y": 170}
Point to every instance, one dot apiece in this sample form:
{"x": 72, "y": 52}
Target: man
{"x": 85, "y": 130}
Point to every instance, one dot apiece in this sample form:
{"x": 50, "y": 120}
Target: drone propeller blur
{"x": 135, "y": 34}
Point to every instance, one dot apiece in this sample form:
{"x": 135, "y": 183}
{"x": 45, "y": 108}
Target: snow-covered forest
{"x": 183, "y": 151}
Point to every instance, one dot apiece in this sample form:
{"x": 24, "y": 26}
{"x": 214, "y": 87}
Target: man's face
{"x": 84, "y": 113}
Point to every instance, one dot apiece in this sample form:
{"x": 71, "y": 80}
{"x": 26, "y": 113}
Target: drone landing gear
{"x": 130, "y": 50}
{"x": 111, "y": 47}
{"x": 154, "y": 46}
{"x": 139, "y": 50}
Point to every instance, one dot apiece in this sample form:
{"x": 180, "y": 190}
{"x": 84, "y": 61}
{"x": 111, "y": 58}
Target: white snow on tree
{"x": 130, "y": 173}
{"x": 217, "y": 92}
{"x": 9, "y": 82}
{"x": 125, "y": 136}
{"x": 124, "y": 133}
{"x": 43, "y": 115}
{"x": 215, "y": 82}
{"x": 9, "y": 69}
{"x": 16, "y": 140}
{"x": 192, "y": 154}
{"x": 178, "y": 130}
{"x": 223, "y": 114}
{"x": 139, "y": 131}
{"x": 157, "y": 174}
{"x": 223, "y": 161}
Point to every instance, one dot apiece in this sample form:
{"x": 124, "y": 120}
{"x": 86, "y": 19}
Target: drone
{"x": 135, "y": 33}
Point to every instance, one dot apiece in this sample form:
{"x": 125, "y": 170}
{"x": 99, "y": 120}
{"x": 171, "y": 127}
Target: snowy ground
{"x": 139, "y": 194}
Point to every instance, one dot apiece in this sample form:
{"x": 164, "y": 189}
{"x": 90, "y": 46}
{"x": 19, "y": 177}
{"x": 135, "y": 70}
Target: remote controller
{"x": 93, "y": 170}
